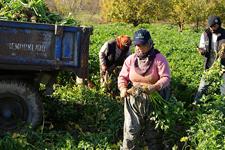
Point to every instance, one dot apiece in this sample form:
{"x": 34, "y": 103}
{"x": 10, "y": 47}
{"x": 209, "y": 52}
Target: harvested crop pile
{"x": 31, "y": 11}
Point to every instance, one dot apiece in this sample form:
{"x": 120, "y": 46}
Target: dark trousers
{"x": 138, "y": 128}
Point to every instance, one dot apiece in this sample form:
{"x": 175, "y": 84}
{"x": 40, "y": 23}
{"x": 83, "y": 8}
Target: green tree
{"x": 197, "y": 12}
{"x": 106, "y": 9}
{"x": 134, "y": 11}
{"x": 178, "y": 14}
{"x": 216, "y": 7}
{"x": 153, "y": 10}
{"x": 126, "y": 10}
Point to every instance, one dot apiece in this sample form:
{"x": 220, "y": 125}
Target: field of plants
{"x": 77, "y": 117}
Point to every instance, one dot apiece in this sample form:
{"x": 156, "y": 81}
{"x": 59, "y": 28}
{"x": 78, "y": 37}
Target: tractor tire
{"x": 20, "y": 106}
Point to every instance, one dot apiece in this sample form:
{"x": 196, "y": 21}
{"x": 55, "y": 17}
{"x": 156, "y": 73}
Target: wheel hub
{"x": 13, "y": 111}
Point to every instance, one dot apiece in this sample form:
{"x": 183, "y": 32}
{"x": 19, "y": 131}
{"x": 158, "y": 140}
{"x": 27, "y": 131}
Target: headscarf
{"x": 123, "y": 41}
{"x": 144, "y": 61}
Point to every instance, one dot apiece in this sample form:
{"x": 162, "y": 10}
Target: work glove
{"x": 123, "y": 92}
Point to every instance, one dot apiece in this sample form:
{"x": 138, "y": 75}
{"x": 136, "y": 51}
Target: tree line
{"x": 179, "y": 12}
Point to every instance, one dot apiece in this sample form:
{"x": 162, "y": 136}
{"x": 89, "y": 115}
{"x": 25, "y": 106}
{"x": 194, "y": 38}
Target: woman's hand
{"x": 201, "y": 51}
{"x": 123, "y": 92}
{"x": 147, "y": 88}
{"x": 151, "y": 88}
{"x": 104, "y": 68}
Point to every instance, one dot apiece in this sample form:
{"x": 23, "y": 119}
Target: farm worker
{"x": 208, "y": 47}
{"x": 112, "y": 54}
{"x": 146, "y": 68}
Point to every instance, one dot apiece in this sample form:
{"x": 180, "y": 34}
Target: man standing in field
{"x": 112, "y": 54}
{"x": 208, "y": 47}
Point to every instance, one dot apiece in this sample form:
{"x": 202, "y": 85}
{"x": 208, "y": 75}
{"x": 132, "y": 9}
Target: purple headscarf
{"x": 144, "y": 61}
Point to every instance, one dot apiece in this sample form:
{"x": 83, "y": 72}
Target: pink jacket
{"x": 158, "y": 74}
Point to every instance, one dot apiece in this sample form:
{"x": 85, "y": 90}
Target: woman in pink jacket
{"x": 147, "y": 68}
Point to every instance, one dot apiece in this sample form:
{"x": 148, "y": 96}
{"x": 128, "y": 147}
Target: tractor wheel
{"x": 20, "y": 105}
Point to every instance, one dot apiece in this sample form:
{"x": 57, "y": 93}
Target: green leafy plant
{"x": 32, "y": 11}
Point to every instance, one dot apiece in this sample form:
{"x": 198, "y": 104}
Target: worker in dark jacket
{"x": 208, "y": 47}
{"x": 112, "y": 54}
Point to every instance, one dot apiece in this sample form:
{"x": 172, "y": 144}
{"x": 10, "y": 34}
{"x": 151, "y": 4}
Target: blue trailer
{"x": 31, "y": 54}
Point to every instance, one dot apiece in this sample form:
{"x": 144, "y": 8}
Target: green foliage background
{"x": 77, "y": 117}
{"x": 179, "y": 12}
{"x": 178, "y": 47}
